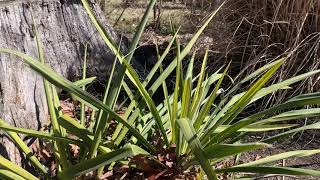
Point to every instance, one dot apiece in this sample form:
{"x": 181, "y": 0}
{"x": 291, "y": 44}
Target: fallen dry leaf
{"x": 68, "y": 107}
{"x": 106, "y": 175}
{"x": 75, "y": 150}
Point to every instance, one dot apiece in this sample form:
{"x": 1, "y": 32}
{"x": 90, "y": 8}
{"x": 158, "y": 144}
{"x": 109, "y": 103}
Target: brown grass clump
{"x": 263, "y": 30}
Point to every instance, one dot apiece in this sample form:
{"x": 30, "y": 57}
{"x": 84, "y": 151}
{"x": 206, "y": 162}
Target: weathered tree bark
{"x": 64, "y": 28}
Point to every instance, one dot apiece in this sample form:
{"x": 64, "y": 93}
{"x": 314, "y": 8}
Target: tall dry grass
{"x": 263, "y": 30}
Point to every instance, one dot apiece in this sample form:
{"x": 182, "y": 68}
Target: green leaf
{"x": 84, "y": 82}
{"x": 245, "y": 178}
{"x": 101, "y": 160}
{"x": 119, "y": 137}
{"x": 223, "y": 150}
{"x": 272, "y": 170}
{"x": 242, "y": 102}
{"x": 290, "y": 115}
{"x": 148, "y": 100}
{"x": 253, "y": 75}
{"x": 186, "y": 90}
{"x": 277, "y": 157}
{"x": 75, "y": 128}
{"x": 16, "y": 169}
{"x": 196, "y": 101}
{"x": 298, "y": 101}
{"x": 259, "y": 71}
{"x": 291, "y": 132}
{"x": 39, "y": 134}
{"x": 8, "y": 175}
{"x": 206, "y": 108}
{"x": 99, "y": 127}
{"x": 257, "y": 128}
{"x": 167, "y": 102}
{"x": 174, "y": 116}
{"x": 84, "y": 74}
{"x": 263, "y": 92}
{"x": 25, "y": 149}
{"x": 196, "y": 147}
{"x": 160, "y": 60}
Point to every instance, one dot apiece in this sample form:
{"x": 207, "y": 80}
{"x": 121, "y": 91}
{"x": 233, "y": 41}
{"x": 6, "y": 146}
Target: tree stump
{"x": 64, "y": 28}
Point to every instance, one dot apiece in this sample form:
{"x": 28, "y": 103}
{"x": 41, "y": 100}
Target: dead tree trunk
{"x": 64, "y": 28}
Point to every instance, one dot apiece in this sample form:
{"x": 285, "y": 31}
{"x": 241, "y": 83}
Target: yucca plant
{"x": 199, "y": 122}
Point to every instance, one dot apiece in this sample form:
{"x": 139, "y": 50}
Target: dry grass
{"x": 264, "y": 30}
